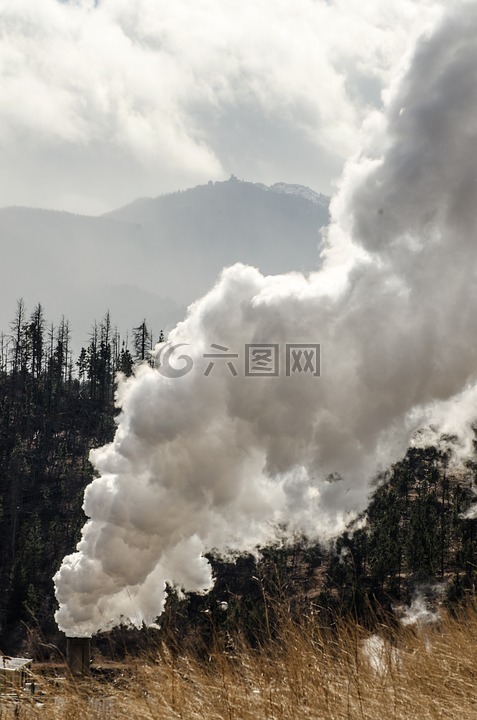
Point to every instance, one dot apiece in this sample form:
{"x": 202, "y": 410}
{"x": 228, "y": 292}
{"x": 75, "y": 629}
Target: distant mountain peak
{"x": 229, "y": 191}
{"x": 302, "y": 191}
{"x": 233, "y": 183}
{"x": 283, "y": 188}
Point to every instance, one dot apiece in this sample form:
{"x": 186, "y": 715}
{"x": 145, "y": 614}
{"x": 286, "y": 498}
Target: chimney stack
{"x": 78, "y": 655}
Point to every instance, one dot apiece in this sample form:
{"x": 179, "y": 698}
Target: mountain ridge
{"x": 166, "y": 251}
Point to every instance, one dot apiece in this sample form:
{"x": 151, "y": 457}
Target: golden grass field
{"x": 304, "y": 673}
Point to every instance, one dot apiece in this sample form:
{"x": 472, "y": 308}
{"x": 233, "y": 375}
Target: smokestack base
{"x": 78, "y": 655}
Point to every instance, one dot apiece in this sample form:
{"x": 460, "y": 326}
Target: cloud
{"x": 104, "y": 101}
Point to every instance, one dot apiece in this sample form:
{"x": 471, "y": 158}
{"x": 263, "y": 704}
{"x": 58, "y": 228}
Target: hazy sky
{"x": 105, "y": 101}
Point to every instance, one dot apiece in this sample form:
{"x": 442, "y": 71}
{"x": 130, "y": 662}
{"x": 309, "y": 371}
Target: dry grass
{"x": 303, "y": 674}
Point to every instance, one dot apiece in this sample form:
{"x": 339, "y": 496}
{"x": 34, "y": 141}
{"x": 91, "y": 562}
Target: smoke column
{"x": 222, "y": 460}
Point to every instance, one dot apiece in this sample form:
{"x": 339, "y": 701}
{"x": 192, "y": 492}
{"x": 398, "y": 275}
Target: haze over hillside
{"x": 153, "y": 257}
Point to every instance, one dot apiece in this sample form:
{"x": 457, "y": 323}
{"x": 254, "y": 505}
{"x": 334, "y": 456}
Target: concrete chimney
{"x": 78, "y": 655}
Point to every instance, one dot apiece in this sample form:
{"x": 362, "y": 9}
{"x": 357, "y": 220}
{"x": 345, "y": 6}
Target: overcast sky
{"x": 105, "y": 101}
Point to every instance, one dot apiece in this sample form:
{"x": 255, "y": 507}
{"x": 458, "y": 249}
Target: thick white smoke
{"x": 223, "y": 460}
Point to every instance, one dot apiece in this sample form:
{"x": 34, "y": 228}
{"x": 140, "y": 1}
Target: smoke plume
{"x": 221, "y": 460}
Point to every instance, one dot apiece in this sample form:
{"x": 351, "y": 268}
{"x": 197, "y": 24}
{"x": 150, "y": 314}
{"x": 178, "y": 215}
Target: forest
{"x": 55, "y": 407}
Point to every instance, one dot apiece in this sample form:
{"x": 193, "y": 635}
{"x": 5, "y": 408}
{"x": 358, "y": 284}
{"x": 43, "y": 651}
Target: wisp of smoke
{"x": 218, "y": 458}
{"x": 381, "y": 655}
{"x": 420, "y": 613}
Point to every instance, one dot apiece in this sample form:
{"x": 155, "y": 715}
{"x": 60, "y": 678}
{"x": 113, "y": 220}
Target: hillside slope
{"x": 154, "y": 256}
